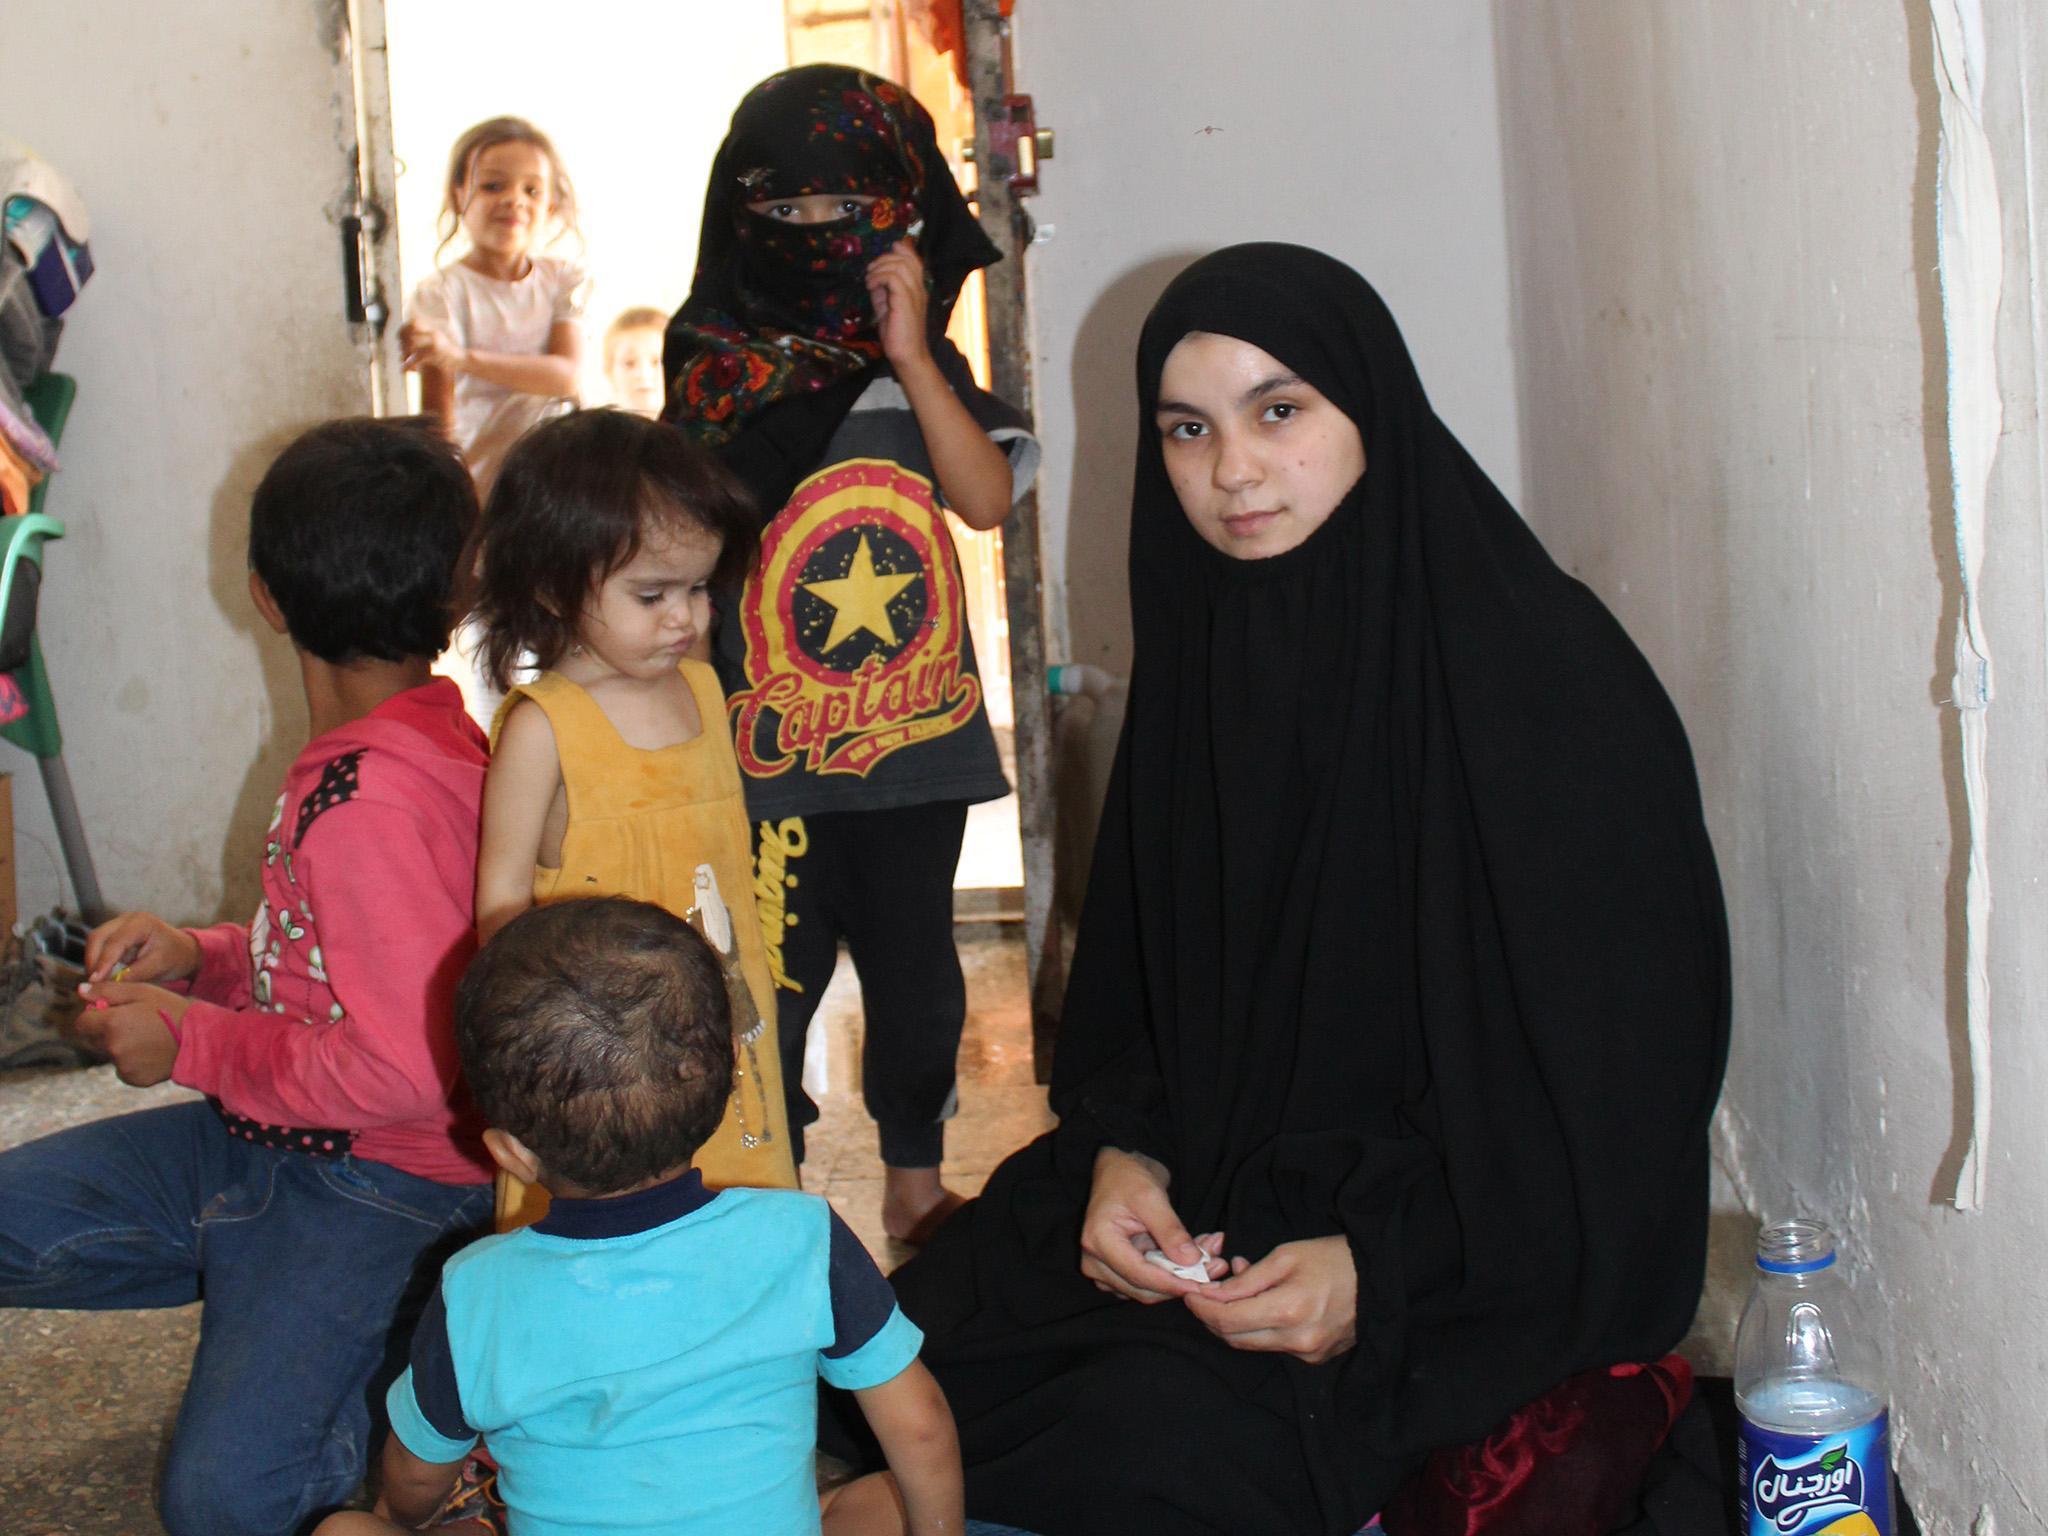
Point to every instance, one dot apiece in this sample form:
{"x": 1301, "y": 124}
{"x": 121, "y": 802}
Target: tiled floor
{"x": 87, "y": 1399}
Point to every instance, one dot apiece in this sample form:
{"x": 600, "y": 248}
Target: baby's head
{"x": 355, "y": 534}
{"x": 596, "y": 1037}
{"x": 632, "y": 360}
{"x": 605, "y": 532}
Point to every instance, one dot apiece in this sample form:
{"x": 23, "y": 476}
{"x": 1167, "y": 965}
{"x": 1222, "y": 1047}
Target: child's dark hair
{"x": 357, "y": 531}
{"x": 575, "y": 500}
{"x": 599, "y": 1032}
{"x": 462, "y": 161}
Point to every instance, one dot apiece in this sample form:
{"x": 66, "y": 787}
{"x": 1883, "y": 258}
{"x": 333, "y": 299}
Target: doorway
{"x": 636, "y": 97}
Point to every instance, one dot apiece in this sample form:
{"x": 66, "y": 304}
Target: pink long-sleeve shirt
{"x": 327, "y": 1024}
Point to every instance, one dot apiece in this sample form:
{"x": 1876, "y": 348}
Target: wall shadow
{"x": 1095, "y": 575}
{"x": 227, "y": 581}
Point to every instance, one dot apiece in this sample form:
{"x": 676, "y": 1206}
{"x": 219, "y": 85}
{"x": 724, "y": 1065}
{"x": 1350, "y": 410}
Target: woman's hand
{"x": 1301, "y": 1300}
{"x": 1129, "y": 1215}
{"x": 896, "y": 289}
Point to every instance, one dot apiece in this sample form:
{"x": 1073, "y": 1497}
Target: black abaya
{"x": 1403, "y": 926}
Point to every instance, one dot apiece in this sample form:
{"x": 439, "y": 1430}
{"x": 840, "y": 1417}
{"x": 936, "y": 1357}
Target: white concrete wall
{"x": 204, "y": 141}
{"x": 1365, "y": 127}
{"x": 1732, "y": 368}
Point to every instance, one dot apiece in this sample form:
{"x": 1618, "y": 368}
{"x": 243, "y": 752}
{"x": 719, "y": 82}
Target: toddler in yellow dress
{"x": 612, "y": 772}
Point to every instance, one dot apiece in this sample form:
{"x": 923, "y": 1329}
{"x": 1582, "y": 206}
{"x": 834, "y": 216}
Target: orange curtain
{"x": 943, "y": 28}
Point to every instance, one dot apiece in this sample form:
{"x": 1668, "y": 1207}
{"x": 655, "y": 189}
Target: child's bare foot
{"x": 915, "y": 1204}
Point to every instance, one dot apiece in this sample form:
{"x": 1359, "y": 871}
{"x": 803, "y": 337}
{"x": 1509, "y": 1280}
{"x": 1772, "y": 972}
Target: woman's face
{"x": 1258, "y": 457}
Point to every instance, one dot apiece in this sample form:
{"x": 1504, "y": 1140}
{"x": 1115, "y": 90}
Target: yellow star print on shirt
{"x": 860, "y": 599}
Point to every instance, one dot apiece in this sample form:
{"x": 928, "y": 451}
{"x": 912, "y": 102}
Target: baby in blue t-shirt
{"x": 646, "y": 1358}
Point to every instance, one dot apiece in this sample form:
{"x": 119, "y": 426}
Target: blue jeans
{"x": 311, "y": 1272}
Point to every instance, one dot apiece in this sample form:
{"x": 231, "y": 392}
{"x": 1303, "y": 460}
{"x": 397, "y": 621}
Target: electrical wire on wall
{"x": 1971, "y": 246}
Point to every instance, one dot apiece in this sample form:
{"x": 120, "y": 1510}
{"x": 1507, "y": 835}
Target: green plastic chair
{"x": 21, "y": 570}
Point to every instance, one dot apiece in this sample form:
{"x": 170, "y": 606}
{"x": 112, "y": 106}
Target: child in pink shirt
{"x": 358, "y": 945}
{"x": 309, "y": 1198}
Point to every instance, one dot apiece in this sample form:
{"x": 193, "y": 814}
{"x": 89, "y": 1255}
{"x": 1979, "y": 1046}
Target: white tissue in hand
{"x": 1199, "y": 1273}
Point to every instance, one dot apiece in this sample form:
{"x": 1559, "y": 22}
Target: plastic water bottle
{"x": 1814, "y": 1454}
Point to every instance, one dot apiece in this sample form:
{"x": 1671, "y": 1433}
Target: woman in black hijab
{"x": 1401, "y": 978}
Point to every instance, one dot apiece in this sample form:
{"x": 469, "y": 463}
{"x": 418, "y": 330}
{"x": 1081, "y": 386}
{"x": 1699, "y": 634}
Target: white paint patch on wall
{"x": 1732, "y": 369}
{"x": 1970, "y": 239}
{"x": 1367, "y": 129}
{"x": 204, "y": 140}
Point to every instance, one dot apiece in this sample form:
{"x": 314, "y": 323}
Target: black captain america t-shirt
{"x": 850, "y": 675}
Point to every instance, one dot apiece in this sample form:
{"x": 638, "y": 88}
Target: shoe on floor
{"x": 38, "y": 1001}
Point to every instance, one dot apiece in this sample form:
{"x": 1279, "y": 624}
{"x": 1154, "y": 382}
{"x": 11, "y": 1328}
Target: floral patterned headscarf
{"x": 779, "y": 310}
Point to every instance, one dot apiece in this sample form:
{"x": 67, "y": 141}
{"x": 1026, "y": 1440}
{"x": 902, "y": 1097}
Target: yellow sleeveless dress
{"x": 670, "y": 826}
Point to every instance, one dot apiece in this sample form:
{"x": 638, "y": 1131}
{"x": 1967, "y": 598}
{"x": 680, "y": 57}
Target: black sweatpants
{"x": 882, "y": 881}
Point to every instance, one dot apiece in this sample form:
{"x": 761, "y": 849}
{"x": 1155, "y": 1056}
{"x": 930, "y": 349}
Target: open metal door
{"x": 1007, "y": 145}
{"x": 372, "y": 289}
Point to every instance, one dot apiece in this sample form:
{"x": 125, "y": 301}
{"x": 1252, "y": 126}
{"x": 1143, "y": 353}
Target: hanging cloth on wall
{"x": 44, "y": 220}
{"x": 57, "y": 265}
{"x": 18, "y": 477}
{"x": 21, "y": 435}
{"x": 44, "y": 261}
{"x": 944, "y": 26}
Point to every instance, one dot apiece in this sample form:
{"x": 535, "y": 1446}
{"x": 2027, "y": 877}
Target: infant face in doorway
{"x": 632, "y": 368}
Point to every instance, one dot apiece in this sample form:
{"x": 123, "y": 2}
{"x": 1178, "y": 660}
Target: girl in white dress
{"x": 496, "y": 336}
